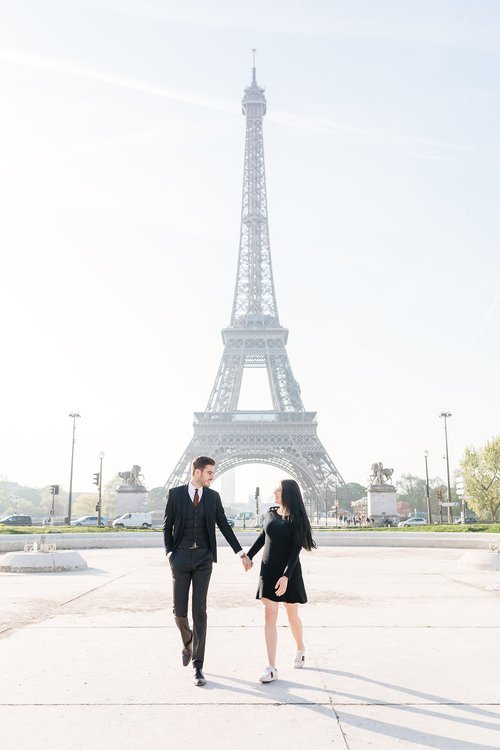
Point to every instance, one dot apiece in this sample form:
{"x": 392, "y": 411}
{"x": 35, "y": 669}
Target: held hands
{"x": 247, "y": 563}
{"x": 281, "y": 586}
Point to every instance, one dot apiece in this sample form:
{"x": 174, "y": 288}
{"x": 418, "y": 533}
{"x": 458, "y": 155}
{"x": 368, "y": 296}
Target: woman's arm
{"x": 257, "y": 545}
{"x": 292, "y": 558}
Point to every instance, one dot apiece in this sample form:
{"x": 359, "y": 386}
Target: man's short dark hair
{"x": 201, "y": 462}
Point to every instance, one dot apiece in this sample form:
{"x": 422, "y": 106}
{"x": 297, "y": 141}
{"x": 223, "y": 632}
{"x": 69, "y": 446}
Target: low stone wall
{"x": 450, "y": 540}
{"x": 478, "y": 540}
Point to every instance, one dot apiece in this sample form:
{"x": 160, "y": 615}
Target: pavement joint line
{"x": 339, "y": 724}
{"x": 326, "y": 689}
{"x": 29, "y": 622}
{"x": 264, "y": 703}
{"x": 48, "y": 614}
{"x": 475, "y": 586}
{"x": 334, "y": 710}
{"x": 316, "y": 627}
{"x": 180, "y": 703}
{"x": 106, "y": 583}
{"x": 410, "y": 703}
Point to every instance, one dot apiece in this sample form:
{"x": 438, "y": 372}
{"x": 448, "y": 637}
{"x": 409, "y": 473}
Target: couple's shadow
{"x": 280, "y": 693}
{"x": 275, "y": 693}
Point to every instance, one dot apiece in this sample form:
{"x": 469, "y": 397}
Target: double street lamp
{"x": 445, "y": 415}
{"x": 74, "y": 417}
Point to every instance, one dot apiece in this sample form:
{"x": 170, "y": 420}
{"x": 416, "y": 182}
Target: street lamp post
{"x": 74, "y": 417}
{"x": 429, "y": 517}
{"x": 445, "y": 415}
{"x": 101, "y": 456}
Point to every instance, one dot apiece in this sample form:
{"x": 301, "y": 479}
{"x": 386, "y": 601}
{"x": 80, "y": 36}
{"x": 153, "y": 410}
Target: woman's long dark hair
{"x": 293, "y": 505}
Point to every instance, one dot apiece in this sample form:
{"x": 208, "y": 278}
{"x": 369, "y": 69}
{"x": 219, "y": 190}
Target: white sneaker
{"x": 269, "y": 674}
{"x": 300, "y": 660}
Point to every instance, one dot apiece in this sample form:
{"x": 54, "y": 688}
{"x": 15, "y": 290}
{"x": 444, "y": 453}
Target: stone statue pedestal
{"x": 131, "y": 500}
{"x": 382, "y": 501}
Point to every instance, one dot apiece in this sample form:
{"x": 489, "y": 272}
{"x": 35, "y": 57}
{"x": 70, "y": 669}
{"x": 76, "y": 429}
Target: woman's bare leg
{"x": 295, "y": 623}
{"x": 271, "y": 616}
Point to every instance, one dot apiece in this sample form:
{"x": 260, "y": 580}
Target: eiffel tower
{"x": 284, "y": 437}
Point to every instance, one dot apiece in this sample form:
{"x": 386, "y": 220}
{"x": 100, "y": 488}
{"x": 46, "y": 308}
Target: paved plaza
{"x": 402, "y": 652}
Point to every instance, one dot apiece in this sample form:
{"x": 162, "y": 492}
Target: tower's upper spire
{"x": 254, "y": 298}
{"x": 254, "y": 101}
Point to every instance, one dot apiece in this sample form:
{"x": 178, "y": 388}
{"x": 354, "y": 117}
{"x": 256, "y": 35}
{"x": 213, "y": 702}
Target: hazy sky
{"x": 121, "y": 152}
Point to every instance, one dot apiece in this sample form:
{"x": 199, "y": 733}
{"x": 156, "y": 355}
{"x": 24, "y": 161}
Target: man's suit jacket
{"x": 175, "y": 518}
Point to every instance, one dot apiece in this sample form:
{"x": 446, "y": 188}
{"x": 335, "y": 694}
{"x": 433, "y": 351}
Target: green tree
{"x": 84, "y": 505}
{"x": 15, "y": 498}
{"x": 31, "y": 494}
{"x": 349, "y": 493}
{"x": 411, "y": 490}
{"x": 109, "y": 497}
{"x": 481, "y": 472}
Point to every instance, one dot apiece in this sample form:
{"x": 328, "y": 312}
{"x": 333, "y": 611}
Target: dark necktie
{"x": 196, "y": 498}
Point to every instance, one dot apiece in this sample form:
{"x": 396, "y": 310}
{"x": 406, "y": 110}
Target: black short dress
{"x": 279, "y": 558}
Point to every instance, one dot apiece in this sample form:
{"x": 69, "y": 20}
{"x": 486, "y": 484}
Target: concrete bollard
{"x": 42, "y": 562}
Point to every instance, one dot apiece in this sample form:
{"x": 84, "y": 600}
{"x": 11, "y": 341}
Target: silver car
{"x": 89, "y": 521}
{"x": 413, "y": 522}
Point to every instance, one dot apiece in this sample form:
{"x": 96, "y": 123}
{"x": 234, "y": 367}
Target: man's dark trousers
{"x": 192, "y": 566}
{"x": 190, "y": 542}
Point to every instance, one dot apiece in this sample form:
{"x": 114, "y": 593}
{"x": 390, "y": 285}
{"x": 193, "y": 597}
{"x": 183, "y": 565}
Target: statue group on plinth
{"x": 132, "y": 495}
{"x": 131, "y": 478}
{"x": 380, "y": 475}
{"x": 381, "y": 495}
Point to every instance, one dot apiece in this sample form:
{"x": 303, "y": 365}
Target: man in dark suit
{"x": 189, "y": 535}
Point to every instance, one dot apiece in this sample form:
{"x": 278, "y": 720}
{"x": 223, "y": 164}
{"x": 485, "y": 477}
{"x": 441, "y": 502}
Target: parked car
{"x": 134, "y": 520}
{"x": 467, "y": 519}
{"x": 19, "y": 520}
{"x": 89, "y": 521}
{"x": 246, "y": 516}
{"x": 230, "y": 521}
{"x": 413, "y": 522}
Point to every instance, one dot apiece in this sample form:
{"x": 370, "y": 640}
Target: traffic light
{"x": 257, "y": 492}
{"x": 56, "y": 489}
{"x": 439, "y": 494}
{"x": 97, "y": 477}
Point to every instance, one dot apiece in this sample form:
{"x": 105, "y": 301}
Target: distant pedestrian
{"x": 286, "y": 531}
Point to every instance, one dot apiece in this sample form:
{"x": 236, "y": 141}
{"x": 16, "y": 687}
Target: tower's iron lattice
{"x": 286, "y": 436}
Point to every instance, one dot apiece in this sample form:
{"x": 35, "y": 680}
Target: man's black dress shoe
{"x": 199, "y": 677}
{"x": 187, "y": 653}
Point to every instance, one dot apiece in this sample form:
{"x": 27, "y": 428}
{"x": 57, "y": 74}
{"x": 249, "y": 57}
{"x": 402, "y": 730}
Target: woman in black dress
{"x": 286, "y": 530}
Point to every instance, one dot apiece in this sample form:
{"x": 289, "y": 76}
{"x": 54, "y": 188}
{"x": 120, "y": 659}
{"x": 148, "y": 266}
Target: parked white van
{"x": 142, "y": 520}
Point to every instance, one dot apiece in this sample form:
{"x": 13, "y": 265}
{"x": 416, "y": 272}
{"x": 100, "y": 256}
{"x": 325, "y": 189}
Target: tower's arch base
{"x": 286, "y": 440}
